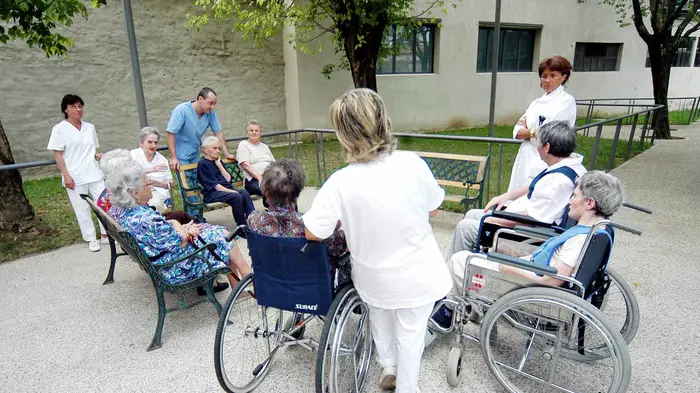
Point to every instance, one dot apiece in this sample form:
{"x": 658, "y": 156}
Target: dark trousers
{"x": 253, "y": 188}
{"x": 240, "y": 202}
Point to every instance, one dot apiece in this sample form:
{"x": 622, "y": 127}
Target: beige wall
{"x": 457, "y": 93}
{"x": 175, "y": 64}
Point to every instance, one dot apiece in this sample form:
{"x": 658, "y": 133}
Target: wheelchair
{"x": 268, "y": 311}
{"x": 538, "y": 338}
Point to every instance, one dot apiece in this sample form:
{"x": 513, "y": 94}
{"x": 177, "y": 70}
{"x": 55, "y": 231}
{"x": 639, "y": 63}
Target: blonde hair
{"x": 362, "y": 125}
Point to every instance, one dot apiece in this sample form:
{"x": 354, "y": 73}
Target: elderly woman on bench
{"x": 597, "y": 196}
{"x": 282, "y": 183}
{"x": 166, "y": 240}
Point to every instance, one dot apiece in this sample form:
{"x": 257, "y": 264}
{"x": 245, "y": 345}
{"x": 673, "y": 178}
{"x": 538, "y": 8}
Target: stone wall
{"x": 175, "y": 63}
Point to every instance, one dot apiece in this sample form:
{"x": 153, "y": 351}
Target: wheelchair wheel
{"x": 345, "y": 346}
{"x": 454, "y": 366}
{"x": 531, "y": 353}
{"x": 245, "y": 343}
{"x": 620, "y": 306}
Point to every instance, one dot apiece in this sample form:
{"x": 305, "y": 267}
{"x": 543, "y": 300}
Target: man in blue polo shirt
{"x": 188, "y": 123}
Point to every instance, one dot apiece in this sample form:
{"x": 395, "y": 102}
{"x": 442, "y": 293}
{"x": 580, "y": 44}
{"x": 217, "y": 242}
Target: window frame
{"x": 391, "y": 59}
{"x": 618, "y": 56}
{"x": 535, "y": 29}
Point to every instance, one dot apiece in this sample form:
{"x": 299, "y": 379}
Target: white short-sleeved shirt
{"x": 140, "y": 157}
{"x": 258, "y": 155}
{"x": 383, "y": 207}
{"x": 79, "y": 148}
{"x": 552, "y": 193}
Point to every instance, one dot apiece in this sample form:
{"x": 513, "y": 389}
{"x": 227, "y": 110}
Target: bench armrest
{"x": 527, "y": 220}
{"x": 208, "y": 246}
{"x": 521, "y": 264}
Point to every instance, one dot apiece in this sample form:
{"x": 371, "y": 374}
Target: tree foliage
{"x": 36, "y": 22}
{"x": 355, "y": 27}
{"x": 664, "y": 25}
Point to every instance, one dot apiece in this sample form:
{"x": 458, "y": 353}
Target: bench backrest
{"x": 456, "y": 170}
{"x": 287, "y": 278}
{"x": 190, "y": 189}
{"x": 123, "y": 238}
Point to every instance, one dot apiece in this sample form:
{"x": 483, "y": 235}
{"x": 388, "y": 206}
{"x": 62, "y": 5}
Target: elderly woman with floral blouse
{"x": 165, "y": 240}
{"x": 282, "y": 183}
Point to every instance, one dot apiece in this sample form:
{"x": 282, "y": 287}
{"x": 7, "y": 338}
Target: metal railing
{"x": 682, "y": 104}
{"x": 293, "y": 141}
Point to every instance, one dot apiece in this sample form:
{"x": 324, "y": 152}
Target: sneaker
{"x": 94, "y": 245}
{"x": 104, "y": 240}
{"x": 443, "y": 317}
{"x": 387, "y": 381}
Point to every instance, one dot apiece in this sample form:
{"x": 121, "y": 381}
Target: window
{"x": 682, "y": 57}
{"x": 596, "y": 56}
{"x": 697, "y": 57}
{"x": 412, "y": 50}
{"x": 515, "y": 50}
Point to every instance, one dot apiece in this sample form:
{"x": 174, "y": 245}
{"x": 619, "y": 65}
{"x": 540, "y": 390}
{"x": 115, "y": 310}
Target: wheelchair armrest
{"x": 539, "y": 232}
{"x": 239, "y": 231}
{"x": 527, "y": 220}
{"x": 521, "y": 264}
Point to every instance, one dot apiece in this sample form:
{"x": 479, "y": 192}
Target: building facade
{"x": 443, "y": 77}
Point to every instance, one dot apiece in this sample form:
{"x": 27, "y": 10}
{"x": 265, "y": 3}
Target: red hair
{"x": 556, "y": 63}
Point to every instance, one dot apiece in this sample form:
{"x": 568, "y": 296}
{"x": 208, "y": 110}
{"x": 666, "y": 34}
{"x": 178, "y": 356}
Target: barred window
{"x": 516, "y": 49}
{"x": 597, "y": 56}
{"x": 413, "y": 50}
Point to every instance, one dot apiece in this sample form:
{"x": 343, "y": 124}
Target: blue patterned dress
{"x": 158, "y": 238}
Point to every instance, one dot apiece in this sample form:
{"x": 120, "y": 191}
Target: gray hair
{"x": 283, "y": 181}
{"x": 253, "y": 122}
{"x": 605, "y": 189}
{"x": 560, "y": 136}
{"x": 210, "y": 141}
{"x": 113, "y": 158}
{"x": 126, "y": 177}
{"x": 362, "y": 125}
{"x": 146, "y": 131}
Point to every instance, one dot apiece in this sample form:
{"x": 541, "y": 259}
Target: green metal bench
{"x": 130, "y": 246}
{"x": 191, "y": 190}
{"x": 459, "y": 171}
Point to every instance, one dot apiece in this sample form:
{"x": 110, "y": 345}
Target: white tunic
{"x": 140, "y": 157}
{"x": 558, "y": 105}
{"x": 78, "y": 147}
{"x": 552, "y": 193}
{"x": 258, "y": 155}
{"x": 384, "y": 206}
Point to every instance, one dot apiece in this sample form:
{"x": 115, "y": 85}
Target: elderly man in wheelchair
{"x": 540, "y": 312}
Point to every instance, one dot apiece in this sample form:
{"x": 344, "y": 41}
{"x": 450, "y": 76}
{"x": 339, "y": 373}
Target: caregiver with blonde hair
{"x": 383, "y": 200}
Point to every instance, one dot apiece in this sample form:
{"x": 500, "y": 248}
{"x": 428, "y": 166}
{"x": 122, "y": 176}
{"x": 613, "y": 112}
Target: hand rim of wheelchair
{"x": 342, "y": 308}
{"x": 593, "y": 318}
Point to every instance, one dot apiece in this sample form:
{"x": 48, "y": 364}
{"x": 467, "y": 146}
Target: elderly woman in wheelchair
{"x": 296, "y": 282}
{"x": 541, "y": 311}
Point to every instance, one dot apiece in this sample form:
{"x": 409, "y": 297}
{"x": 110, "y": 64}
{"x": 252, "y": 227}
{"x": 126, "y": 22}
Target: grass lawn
{"x": 51, "y": 204}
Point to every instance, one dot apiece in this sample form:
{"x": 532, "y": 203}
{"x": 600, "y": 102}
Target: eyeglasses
{"x": 149, "y": 184}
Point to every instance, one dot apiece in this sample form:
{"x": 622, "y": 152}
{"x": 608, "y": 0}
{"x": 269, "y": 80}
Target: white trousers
{"x": 158, "y": 198}
{"x": 399, "y": 336}
{"x": 82, "y": 209}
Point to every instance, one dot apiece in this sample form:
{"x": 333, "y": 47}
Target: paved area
{"x": 61, "y": 330}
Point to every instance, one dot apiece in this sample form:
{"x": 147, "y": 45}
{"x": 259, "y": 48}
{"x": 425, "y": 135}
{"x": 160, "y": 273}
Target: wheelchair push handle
{"x": 626, "y": 228}
{"x": 637, "y": 207}
{"x": 239, "y": 231}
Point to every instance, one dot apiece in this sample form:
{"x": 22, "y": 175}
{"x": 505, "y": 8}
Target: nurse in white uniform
{"x": 555, "y": 104}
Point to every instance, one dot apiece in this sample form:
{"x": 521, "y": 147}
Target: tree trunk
{"x": 660, "y": 59}
{"x": 16, "y": 214}
{"x": 363, "y": 58}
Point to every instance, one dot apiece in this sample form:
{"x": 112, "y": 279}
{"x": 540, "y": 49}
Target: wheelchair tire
{"x": 548, "y": 329}
{"x": 618, "y": 293}
{"x": 454, "y": 366}
{"x": 348, "y": 317}
{"x": 242, "y": 374}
